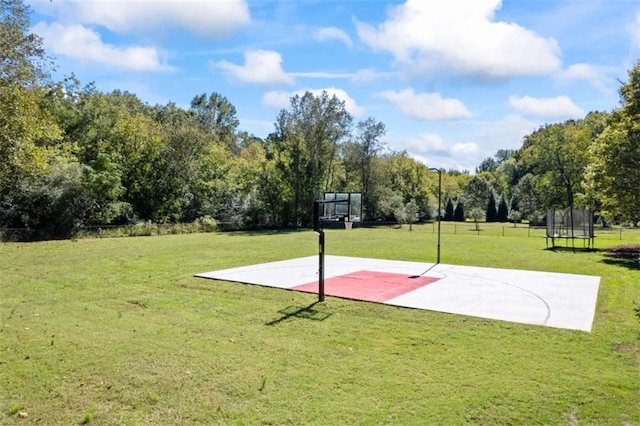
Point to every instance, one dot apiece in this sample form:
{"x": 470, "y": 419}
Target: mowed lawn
{"x": 118, "y": 331}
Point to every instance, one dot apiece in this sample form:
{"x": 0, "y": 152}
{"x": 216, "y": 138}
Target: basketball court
{"x": 529, "y": 297}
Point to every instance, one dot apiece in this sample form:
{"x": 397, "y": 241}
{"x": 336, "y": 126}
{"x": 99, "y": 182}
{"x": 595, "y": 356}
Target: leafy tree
{"x": 448, "y": 210}
{"x": 476, "y": 213}
{"x": 218, "y": 117}
{"x": 503, "y": 210}
{"x": 412, "y": 180}
{"x": 528, "y": 196}
{"x": 476, "y": 192}
{"x": 491, "y": 211}
{"x": 28, "y": 134}
{"x": 360, "y": 157}
{"x": 308, "y": 138}
{"x": 514, "y": 216}
{"x": 23, "y": 61}
{"x": 487, "y": 165}
{"x": 558, "y": 155}
{"x": 612, "y": 177}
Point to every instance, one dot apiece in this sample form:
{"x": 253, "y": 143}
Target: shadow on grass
{"x": 575, "y": 249}
{"x": 259, "y": 232}
{"x": 633, "y": 264}
{"x": 307, "y": 312}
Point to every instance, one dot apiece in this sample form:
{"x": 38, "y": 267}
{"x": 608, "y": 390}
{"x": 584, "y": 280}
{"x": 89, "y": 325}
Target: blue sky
{"x": 453, "y": 81}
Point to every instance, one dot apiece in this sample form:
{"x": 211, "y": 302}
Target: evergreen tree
{"x": 491, "y": 213}
{"x": 458, "y": 214}
{"x": 448, "y": 210}
{"x": 503, "y": 210}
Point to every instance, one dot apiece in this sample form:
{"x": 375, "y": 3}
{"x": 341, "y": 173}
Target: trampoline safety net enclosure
{"x": 570, "y": 224}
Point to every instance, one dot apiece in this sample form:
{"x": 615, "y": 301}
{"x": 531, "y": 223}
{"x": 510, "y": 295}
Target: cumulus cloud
{"x": 465, "y": 148}
{"x": 84, "y": 44}
{"x": 462, "y": 36}
{"x": 429, "y": 143}
{"x": 585, "y": 72}
{"x": 508, "y": 132}
{"x": 260, "y": 66}
{"x": 426, "y": 106}
{"x": 280, "y": 99}
{"x": 332, "y": 33}
{"x": 558, "y": 107}
{"x": 203, "y": 17}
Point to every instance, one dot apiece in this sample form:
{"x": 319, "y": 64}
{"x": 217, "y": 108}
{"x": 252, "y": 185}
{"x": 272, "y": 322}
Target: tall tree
{"x": 311, "y": 132}
{"x": 503, "y": 210}
{"x": 27, "y": 131}
{"x": 612, "y": 177}
{"x": 491, "y": 213}
{"x": 476, "y": 193}
{"x": 360, "y": 157}
{"x": 558, "y": 154}
{"x": 218, "y": 116}
{"x": 448, "y": 210}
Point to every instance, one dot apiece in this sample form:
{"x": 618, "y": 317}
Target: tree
{"x": 612, "y": 178}
{"x": 23, "y": 61}
{"x": 491, "y": 211}
{"x": 448, "y": 210}
{"x": 359, "y": 158}
{"x": 476, "y": 192}
{"x": 28, "y": 133}
{"x": 458, "y": 214}
{"x": 528, "y": 196}
{"x": 559, "y": 154}
{"x": 476, "y": 213}
{"x": 218, "y": 117}
{"x": 503, "y": 210}
{"x": 308, "y": 138}
{"x": 487, "y": 165}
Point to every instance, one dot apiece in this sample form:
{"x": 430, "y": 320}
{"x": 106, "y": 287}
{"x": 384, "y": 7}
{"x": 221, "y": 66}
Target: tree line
{"x": 74, "y": 156}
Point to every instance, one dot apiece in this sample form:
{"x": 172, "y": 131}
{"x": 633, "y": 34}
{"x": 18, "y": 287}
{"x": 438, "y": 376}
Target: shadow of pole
{"x": 306, "y": 312}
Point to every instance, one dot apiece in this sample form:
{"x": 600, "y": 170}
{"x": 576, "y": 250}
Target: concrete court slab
{"x": 529, "y": 297}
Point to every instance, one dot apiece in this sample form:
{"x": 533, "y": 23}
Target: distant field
{"x": 117, "y": 331}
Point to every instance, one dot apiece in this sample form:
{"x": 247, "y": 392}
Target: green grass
{"x": 117, "y": 331}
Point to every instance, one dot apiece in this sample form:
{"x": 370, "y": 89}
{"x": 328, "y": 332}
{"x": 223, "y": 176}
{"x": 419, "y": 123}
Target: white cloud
{"x": 84, "y": 44}
{"x": 465, "y": 148}
{"x": 323, "y": 74}
{"x": 558, "y": 107}
{"x": 199, "y": 16}
{"x": 426, "y": 106}
{"x": 507, "y": 133}
{"x": 461, "y": 36}
{"x": 586, "y": 72}
{"x": 332, "y": 33}
{"x": 260, "y": 66}
{"x": 429, "y": 143}
{"x": 280, "y": 99}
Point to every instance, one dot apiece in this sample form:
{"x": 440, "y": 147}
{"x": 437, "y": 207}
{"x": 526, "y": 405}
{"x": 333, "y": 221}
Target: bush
{"x": 207, "y": 223}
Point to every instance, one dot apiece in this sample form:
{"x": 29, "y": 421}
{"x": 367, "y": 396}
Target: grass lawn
{"x": 118, "y": 331}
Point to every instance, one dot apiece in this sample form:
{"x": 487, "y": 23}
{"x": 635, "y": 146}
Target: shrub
{"x": 207, "y": 223}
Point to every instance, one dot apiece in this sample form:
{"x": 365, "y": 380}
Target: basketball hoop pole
{"x": 317, "y": 227}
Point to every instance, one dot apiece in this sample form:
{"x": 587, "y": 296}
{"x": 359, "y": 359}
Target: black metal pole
{"x": 439, "y": 207}
{"x": 321, "y": 265}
